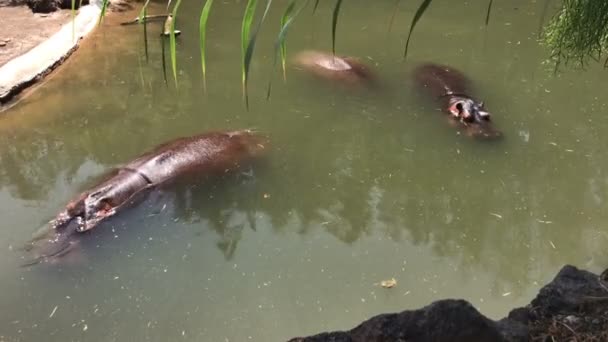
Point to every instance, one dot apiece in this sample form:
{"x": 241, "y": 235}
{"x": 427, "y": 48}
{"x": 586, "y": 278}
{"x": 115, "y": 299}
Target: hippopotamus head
{"x": 473, "y": 116}
{"x": 101, "y": 202}
{"x": 86, "y": 212}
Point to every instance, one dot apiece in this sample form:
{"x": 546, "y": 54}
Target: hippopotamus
{"x": 451, "y": 89}
{"x": 340, "y": 69}
{"x": 207, "y": 154}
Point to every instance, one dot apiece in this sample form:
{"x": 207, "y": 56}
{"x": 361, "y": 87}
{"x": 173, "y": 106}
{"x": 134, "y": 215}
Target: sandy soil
{"x": 21, "y": 30}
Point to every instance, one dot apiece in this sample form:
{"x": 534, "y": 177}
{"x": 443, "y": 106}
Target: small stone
{"x": 571, "y": 319}
{"x": 596, "y": 321}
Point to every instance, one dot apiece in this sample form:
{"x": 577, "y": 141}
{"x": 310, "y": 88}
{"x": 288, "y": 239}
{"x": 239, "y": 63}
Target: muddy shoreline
{"x": 35, "y": 44}
{"x": 572, "y": 307}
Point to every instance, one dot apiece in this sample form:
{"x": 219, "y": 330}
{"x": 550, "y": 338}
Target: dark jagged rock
{"x": 574, "y": 306}
{"x": 47, "y": 6}
{"x": 567, "y": 292}
{"x": 444, "y": 320}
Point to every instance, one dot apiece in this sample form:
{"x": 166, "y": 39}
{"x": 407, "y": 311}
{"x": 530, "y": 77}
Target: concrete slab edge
{"x": 32, "y": 66}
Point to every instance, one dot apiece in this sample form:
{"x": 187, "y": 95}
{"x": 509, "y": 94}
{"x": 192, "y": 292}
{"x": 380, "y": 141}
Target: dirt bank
{"x": 573, "y": 307}
{"x": 34, "y": 44}
{"x": 21, "y": 29}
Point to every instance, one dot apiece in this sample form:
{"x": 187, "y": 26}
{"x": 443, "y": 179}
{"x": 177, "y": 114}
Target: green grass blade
{"x": 488, "y": 13}
{"x": 334, "y": 23}
{"x": 393, "y": 15}
{"x": 73, "y": 13}
{"x": 286, "y": 19}
{"x": 104, "y": 8}
{"x": 314, "y": 9}
{"x": 203, "y": 40}
{"x": 245, "y": 29}
{"x": 543, "y": 14}
{"x": 146, "y": 37}
{"x": 251, "y": 47}
{"x": 142, "y": 20}
{"x": 142, "y": 12}
{"x": 172, "y": 47}
{"x": 423, "y": 6}
{"x": 279, "y": 46}
{"x": 163, "y": 55}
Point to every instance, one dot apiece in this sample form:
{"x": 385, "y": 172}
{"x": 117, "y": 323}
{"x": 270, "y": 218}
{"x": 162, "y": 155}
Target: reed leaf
{"x": 163, "y": 55}
{"x": 245, "y": 29}
{"x": 142, "y": 20}
{"x": 393, "y": 15}
{"x": 334, "y": 23}
{"x": 279, "y": 46}
{"x": 145, "y": 36}
{"x": 172, "y": 47}
{"x": 423, "y": 6}
{"x": 286, "y": 19}
{"x": 488, "y": 12}
{"x": 314, "y": 9}
{"x": 543, "y": 15}
{"x": 251, "y": 47}
{"x": 142, "y": 12}
{"x": 104, "y": 8}
{"x": 203, "y": 40}
{"x": 73, "y": 13}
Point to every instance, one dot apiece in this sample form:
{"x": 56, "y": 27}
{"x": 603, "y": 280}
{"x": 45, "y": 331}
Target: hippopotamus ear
{"x": 484, "y": 115}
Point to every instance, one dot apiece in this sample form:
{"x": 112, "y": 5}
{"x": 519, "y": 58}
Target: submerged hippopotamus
{"x": 201, "y": 155}
{"x": 341, "y": 69}
{"x": 451, "y": 89}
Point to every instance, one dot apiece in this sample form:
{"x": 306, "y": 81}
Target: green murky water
{"x": 359, "y": 187}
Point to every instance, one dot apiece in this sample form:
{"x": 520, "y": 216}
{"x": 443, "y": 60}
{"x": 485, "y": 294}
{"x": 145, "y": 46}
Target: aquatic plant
{"x": 578, "y": 32}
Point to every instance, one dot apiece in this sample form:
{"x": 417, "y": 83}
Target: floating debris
{"x": 53, "y": 312}
{"x": 497, "y": 215}
{"x": 387, "y": 284}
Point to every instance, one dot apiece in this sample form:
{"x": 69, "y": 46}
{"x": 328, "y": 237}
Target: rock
{"x": 43, "y": 6}
{"x": 48, "y": 6}
{"x": 575, "y": 298}
{"x": 567, "y": 292}
{"x": 571, "y": 319}
{"x": 445, "y": 320}
{"x": 120, "y": 6}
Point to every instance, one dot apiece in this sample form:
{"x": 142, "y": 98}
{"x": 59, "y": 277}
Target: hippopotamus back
{"x": 441, "y": 80}
{"x": 210, "y": 153}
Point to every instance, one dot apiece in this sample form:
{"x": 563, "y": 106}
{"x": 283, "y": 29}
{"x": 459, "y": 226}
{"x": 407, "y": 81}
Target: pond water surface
{"x": 359, "y": 187}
